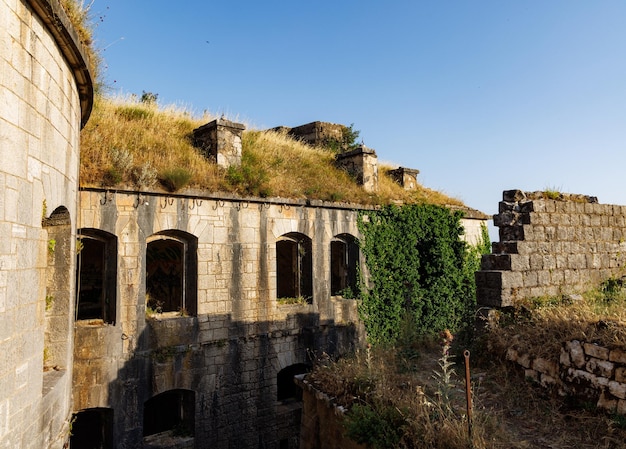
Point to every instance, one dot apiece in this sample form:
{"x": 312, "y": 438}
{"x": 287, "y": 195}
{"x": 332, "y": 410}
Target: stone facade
{"x": 45, "y": 96}
{"x": 551, "y": 246}
{"x": 239, "y": 336}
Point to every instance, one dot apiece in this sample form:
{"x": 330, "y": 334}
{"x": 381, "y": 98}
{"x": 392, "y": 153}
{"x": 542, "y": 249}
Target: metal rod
{"x": 468, "y": 391}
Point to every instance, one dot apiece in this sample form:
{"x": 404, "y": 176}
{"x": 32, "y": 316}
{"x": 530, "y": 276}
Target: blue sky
{"x": 480, "y": 96}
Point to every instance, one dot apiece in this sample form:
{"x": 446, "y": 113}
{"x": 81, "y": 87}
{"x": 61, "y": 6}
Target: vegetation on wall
{"x": 132, "y": 142}
{"x": 421, "y": 271}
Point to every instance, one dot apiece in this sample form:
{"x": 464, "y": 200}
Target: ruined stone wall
{"x": 322, "y": 421}
{"x": 585, "y": 370}
{"x": 551, "y": 246}
{"x": 45, "y": 94}
{"x": 228, "y": 353}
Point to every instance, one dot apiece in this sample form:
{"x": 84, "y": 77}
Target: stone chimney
{"x": 406, "y": 177}
{"x": 362, "y": 163}
{"x": 220, "y": 141}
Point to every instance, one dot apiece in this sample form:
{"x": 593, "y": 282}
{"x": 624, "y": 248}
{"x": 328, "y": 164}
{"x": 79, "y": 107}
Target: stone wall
{"x": 230, "y": 347}
{"x": 322, "y": 421}
{"x": 230, "y": 352}
{"x": 588, "y": 371}
{"x": 551, "y": 247}
{"x": 45, "y": 95}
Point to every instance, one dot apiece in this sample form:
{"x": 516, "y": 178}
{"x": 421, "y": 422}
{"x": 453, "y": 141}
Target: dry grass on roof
{"x": 135, "y": 145}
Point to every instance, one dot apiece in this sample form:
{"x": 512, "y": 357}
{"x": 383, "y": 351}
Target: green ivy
{"x": 419, "y": 267}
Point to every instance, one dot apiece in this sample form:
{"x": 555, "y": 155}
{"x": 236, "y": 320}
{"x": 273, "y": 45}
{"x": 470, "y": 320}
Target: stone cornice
{"x": 57, "y": 23}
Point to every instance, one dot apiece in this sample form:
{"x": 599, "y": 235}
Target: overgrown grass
{"x": 132, "y": 144}
{"x": 412, "y": 395}
{"x": 79, "y": 14}
{"x": 539, "y": 326}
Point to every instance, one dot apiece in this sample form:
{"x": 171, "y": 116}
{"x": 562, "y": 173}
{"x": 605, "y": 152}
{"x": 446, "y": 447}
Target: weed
{"x": 144, "y": 176}
{"x": 175, "y": 179}
{"x": 52, "y": 244}
{"x": 298, "y": 300}
{"x": 552, "y": 193}
{"x": 49, "y": 302}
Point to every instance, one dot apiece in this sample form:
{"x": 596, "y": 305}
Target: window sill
{"x": 166, "y": 316}
{"x": 91, "y": 323}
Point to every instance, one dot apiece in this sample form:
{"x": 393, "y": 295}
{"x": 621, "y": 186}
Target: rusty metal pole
{"x": 468, "y": 391}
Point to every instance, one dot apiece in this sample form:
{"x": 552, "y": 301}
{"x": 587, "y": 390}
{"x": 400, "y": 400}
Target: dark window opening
{"x": 286, "y": 388}
{"x": 97, "y": 272}
{"x": 294, "y": 267}
{"x": 344, "y": 264}
{"x": 171, "y": 273}
{"x": 92, "y": 429}
{"x": 172, "y": 410}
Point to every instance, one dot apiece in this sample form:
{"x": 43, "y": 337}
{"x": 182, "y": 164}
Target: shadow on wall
{"x": 207, "y": 381}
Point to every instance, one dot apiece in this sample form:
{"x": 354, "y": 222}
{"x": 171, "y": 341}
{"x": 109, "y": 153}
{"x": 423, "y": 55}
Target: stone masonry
{"x": 46, "y": 94}
{"x": 551, "y": 247}
{"x": 230, "y": 352}
{"x": 585, "y": 370}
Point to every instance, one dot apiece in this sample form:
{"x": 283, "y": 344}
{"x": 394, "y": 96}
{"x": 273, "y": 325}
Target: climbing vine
{"x": 419, "y": 269}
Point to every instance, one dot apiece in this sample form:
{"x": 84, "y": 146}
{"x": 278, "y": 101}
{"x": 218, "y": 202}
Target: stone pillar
{"x": 361, "y": 163}
{"x": 220, "y": 141}
{"x": 406, "y": 177}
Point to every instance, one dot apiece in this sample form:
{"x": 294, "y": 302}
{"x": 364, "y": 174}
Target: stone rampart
{"x": 45, "y": 95}
{"x": 551, "y": 246}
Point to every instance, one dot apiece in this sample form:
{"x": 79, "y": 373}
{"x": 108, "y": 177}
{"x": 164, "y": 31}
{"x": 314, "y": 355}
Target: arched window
{"x": 286, "y": 389}
{"x": 92, "y": 429}
{"x": 171, "y": 410}
{"x": 172, "y": 272}
{"x": 294, "y": 268}
{"x": 344, "y": 264}
{"x": 97, "y": 276}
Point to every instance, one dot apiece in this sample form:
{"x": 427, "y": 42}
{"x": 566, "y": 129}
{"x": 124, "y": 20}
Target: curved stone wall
{"x": 45, "y": 95}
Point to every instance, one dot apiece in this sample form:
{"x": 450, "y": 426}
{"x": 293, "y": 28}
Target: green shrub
{"x": 419, "y": 267}
{"x": 378, "y": 426}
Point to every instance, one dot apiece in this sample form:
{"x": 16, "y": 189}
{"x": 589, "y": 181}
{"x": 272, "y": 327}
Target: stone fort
{"x": 140, "y": 319}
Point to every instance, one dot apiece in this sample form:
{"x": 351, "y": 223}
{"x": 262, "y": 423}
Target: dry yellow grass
{"x": 541, "y": 326}
{"x": 130, "y": 144}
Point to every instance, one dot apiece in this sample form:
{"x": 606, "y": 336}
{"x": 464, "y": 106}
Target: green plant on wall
{"x": 419, "y": 267}
{"x": 52, "y": 244}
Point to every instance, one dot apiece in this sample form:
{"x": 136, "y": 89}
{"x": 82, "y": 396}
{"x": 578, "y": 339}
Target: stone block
{"x": 545, "y": 366}
{"x": 593, "y": 350}
{"x": 576, "y": 353}
{"x": 598, "y": 367}
{"x": 618, "y": 356}
{"x": 617, "y": 389}
{"x": 513, "y": 196}
{"x": 620, "y": 374}
{"x": 606, "y": 402}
